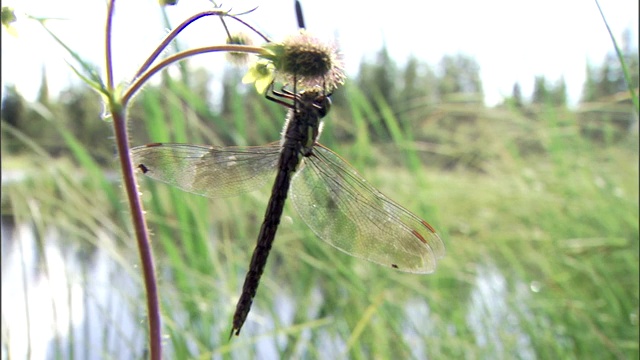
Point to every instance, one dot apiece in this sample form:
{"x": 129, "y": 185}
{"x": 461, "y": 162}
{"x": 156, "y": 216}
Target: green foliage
{"x": 460, "y": 74}
{"x": 545, "y": 93}
{"x": 609, "y": 107}
{"x": 8, "y": 16}
{"x": 632, "y": 84}
{"x": 540, "y": 225}
{"x": 538, "y": 213}
{"x": 382, "y": 75}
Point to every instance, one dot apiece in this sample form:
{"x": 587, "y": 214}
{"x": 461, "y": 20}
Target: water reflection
{"x": 50, "y": 309}
{"x": 493, "y": 320}
{"x": 84, "y": 305}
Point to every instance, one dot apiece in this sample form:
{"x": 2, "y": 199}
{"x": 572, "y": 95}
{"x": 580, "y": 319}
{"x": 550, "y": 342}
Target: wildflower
{"x": 8, "y": 18}
{"x": 261, "y": 73}
{"x": 306, "y": 62}
{"x": 238, "y": 58}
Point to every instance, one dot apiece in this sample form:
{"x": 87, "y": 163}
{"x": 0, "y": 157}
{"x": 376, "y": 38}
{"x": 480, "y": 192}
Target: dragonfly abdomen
{"x": 301, "y": 131}
{"x": 288, "y": 163}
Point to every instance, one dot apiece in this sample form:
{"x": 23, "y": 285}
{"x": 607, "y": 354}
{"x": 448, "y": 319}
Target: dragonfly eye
{"x": 323, "y": 104}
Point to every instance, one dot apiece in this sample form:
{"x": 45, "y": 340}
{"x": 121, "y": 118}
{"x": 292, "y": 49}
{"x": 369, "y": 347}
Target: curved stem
{"x": 141, "y": 231}
{"x": 107, "y": 43}
{"x": 139, "y": 81}
{"x": 264, "y": 37}
{"x": 625, "y": 72}
{"x": 135, "y": 205}
{"x": 172, "y": 35}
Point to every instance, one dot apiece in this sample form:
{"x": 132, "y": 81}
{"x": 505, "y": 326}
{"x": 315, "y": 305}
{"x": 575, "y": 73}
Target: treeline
{"x": 416, "y": 95}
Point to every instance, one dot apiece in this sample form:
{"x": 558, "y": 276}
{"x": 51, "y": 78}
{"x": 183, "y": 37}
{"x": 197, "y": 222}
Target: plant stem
{"x": 172, "y": 35}
{"x": 142, "y": 234}
{"x": 118, "y": 113}
{"x": 623, "y": 64}
{"x": 135, "y": 86}
{"x": 107, "y": 45}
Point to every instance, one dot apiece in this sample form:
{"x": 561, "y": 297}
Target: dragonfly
{"x": 336, "y": 202}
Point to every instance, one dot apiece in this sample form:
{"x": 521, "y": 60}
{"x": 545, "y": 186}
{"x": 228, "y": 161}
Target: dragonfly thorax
{"x": 317, "y": 99}
{"x": 304, "y": 125}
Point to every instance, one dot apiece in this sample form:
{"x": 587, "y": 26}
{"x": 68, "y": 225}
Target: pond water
{"x": 63, "y": 305}
{"x": 69, "y": 308}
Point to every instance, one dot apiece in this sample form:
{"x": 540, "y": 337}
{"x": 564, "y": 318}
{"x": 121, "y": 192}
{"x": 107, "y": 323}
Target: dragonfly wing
{"x": 348, "y": 213}
{"x": 208, "y": 170}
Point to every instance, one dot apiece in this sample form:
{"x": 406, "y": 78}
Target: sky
{"x": 513, "y": 41}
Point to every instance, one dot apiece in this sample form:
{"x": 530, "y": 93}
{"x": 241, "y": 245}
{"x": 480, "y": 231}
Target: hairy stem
{"x": 135, "y": 86}
{"x": 118, "y": 112}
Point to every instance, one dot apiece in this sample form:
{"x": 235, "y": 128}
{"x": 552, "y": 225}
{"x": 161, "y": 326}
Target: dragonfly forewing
{"x": 210, "y": 171}
{"x": 348, "y": 213}
{"x": 330, "y": 196}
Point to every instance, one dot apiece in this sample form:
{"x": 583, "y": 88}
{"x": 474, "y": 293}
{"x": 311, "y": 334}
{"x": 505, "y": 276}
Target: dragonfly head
{"x": 320, "y": 101}
{"x": 323, "y": 104}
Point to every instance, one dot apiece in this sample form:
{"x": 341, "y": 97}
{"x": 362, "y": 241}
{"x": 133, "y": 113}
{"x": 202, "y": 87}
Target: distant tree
{"x": 418, "y": 92}
{"x": 549, "y": 94}
{"x": 13, "y": 106}
{"x": 410, "y": 76}
{"x": 230, "y": 80}
{"x": 29, "y": 120}
{"x": 200, "y": 81}
{"x": 589, "y": 87}
{"x": 610, "y": 117}
{"x": 419, "y": 87}
{"x": 419, "y": 83}
{"x": 516, "y": 95}
{"x": 379, "y": 77}
{"x": 43, "y": 92}
{"x": 631, "y": 58}
{"x": 540, "y": 91}
{"x": 558, "y": 93}
{"x": 460, "y": 74}
{"x": 608, "y": 78}
{"x": 80, "y": 111}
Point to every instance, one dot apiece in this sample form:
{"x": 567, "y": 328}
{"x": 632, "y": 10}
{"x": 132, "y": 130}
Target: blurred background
{"x": 508, "y": 127}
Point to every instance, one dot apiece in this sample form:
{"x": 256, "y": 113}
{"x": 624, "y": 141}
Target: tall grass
{"x": 540, "y": 227}
{"x": 539, "y": 222}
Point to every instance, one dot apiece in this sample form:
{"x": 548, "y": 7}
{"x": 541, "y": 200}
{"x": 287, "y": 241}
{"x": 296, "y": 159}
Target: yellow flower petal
{"x": 263, "y": 83}
{"x": 261, "y": 74}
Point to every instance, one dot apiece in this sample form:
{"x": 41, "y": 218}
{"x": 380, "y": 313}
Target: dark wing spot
{"x": 417, "y": 234}
{"x": 394, "y": 266}
{"x": 426, "y": 224}
{"x": 143, "y": 168}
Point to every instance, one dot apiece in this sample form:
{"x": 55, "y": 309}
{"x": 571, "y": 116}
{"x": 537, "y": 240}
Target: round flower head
{"x": 305, "y": 60}
{"x": 8, "y": 18}
{"x": 238, "y": 58}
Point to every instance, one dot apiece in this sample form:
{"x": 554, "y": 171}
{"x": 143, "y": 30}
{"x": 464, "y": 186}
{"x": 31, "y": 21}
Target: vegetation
{"x": 537, "y": 204}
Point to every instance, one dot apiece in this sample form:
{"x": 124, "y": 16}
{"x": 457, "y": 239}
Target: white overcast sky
{"x": 512, "y": 40}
